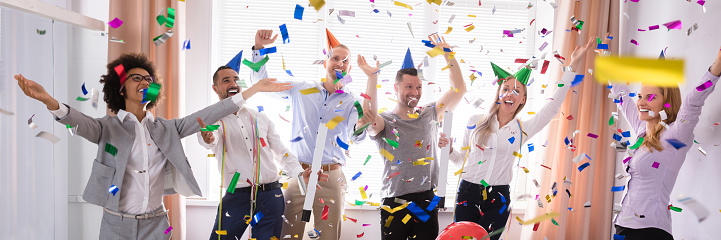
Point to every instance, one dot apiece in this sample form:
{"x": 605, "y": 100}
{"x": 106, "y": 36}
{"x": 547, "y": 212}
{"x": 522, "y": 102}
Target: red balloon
{"x": 457, "y": 230}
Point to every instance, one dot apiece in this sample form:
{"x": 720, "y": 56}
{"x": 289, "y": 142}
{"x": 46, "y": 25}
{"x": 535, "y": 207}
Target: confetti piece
{"x": 169, "y": 228}
{"x": 113, "y": 189}
{"x": 6, "y": 112}
{"x": 634, "y": 42}
{"x": 151, "y": 93}
{"x": 470, "y": 28}
{"x": 676, "y": 143}
{"x": 397, "y": 3}
{"x": 591, "y": 135}
{"x": 361, "y": 129}
{"x": 309, "y": 91}
{"x": 298, "y": 14}
{"x": 391, "y": 142}
{"x": 391, "y": 211}
{"x": 325, "y": 213}
{"x": 334, "y": 122}
{"x": 186, "y": 44}
{"x": 365, "y": 96}
{"x": 41, "y": 32}
{"x": 512, "y": 139}
{"x": 673, "y": 25}
{"x": 393, "y": 175}
{"x": 109, "y": 148}
{"x": 257, "y": 218}
{"x": 637, "y": 144}
{"x": 618, "y": 188}
{"x": 115, "y": 23}
{"x": 415, "y": 115}
{"x": 655, "y": 165}
{"x": 356, "y": 176}
{"x": 583, "y": 166}
{"x": 234, "y": 182}
{"x": 448, "y": 30}
{"x": 296, "y": 139}
{"x": 435, "y": 52}
{"x": 618, "y": 237}
{"x": 256, "y": 65}
{"x": 159, "y": 40}
{"x": 317, "y": 4}
{"x": 676, "y": 209}
{"x": 388, "y": 221}
{"x": 340, "y": 143}
{"x": 704, "y": 86}
{"x": 284, "y": 33}
{"x": 221, "y": 232}
{"x": 387, "y": 155}
{"x": 264, "y": 51}
{"x": 539, "y": 218}
{"x": 209, "y": 128}
{"x": 647, "y": 71}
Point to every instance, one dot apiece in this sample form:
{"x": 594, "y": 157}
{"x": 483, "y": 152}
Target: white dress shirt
{"x": 494, "y": 164}
{"x": 237, "y": 132}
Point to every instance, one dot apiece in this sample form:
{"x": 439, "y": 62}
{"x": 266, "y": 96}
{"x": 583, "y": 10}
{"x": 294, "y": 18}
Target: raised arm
{"x": 688, "y": 114}
{"x": 207, "y": 139}
{"x": 370, "y": 107}
{"x": 262, "y": 39}
{"x": 88, "y": 127}
{"x": 449, "y": 101}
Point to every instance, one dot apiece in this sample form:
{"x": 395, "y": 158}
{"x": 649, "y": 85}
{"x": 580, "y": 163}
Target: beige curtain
{"x": 591, "y": 109}
{"x": 138, "y": 30}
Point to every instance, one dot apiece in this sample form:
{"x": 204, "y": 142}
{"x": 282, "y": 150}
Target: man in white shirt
{"x": 247, "y": 145}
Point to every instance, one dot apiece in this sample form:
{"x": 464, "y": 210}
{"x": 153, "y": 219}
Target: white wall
{"x": 699, "y": 176}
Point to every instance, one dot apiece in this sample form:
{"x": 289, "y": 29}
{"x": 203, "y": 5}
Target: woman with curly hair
{"x": 140, "y": 157}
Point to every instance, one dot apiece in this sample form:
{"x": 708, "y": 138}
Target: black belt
{"x": 262, "y": 187}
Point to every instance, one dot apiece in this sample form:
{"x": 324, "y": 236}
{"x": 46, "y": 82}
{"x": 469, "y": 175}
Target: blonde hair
{"x": 671, "y": 95}
{"x": 483, "y": 130}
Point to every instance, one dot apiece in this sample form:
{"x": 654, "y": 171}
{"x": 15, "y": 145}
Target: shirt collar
{"x": 122, "y": 114}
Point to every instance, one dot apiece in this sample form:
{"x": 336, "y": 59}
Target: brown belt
{"x": 325, "y": 167}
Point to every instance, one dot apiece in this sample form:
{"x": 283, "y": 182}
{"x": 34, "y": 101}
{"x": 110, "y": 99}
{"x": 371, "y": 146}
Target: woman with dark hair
{"x": 495, "y": 140}
{"x": 140, "y": 157}
{"x": 665, "y": 126}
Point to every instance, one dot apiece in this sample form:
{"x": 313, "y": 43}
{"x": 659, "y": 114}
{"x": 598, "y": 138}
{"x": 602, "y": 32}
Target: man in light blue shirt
{"x": 315, "y": 104}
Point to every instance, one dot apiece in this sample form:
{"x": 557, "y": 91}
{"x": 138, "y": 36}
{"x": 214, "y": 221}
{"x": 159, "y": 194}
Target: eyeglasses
{"x": 138, "y": 78}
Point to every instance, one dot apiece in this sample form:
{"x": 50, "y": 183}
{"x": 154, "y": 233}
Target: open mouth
{"x": 508, "y": 103}
{"x": 643, "y": 110}
{"x": 411, "y": 99}
{"x": 232, "y": 91}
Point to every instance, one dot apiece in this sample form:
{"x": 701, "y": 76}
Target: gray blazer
{"x": 109, "y": 170}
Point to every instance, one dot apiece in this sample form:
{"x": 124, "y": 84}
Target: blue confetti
{"x": 113, "y": 189}
{"x": 512, "y": 139}
{"x": 284, "y": 33}
{"x": 503, "y": 209}
{"x": 530, "y": 147}
{"x": 296, "y": 139}
{"x": 618, "y": 237}
{"x": 260, "y": 108}
{"x": 471, "y": 127}
{"x": 85, "y": 91}
{"x": 341, "y": 143}
{"x": 616, "y": 137}
{"x": 618, "y": 188}
{"x": 356, "y": 176}
{"x": 676, "y": 143}
{"x": 566, "y": 141}
{"x": 577, "y": 80}
{"x": 626, "y": 134}
{"x": 602, "y": 46}
{"x": 256, "y": 219}
{"x": 298, "y": 12}
{"x": 264, "y": 51}
{"x": 633, "y": 94}
{"x": 580, "y": 168}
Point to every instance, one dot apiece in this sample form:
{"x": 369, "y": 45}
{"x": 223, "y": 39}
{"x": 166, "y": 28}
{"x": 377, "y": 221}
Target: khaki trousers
{"x": 330, "y": 190}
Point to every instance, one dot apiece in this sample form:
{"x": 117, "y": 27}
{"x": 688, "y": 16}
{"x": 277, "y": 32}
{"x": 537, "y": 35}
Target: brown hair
{"x": 215, "y": 75}
{"x": 405, "y": 71}
{"x": 671, "y": 95}
{"x": 111, "y": 80}
{"x": 483, "y": 130}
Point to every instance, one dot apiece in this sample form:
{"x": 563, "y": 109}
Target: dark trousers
{"x": 237, "y": 205}
{"x": 415, "y": 228}
{"x": 643, "y": 233}
{"x": 471, "y": 207}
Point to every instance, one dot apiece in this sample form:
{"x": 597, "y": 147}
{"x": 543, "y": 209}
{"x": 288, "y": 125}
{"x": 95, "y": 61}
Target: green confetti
{"x": 111, "y": 149}
{"x": 82, "y": 99}
{"x": 241, "y": 82}
{"x": 638, "y": 143}
{"x": 170, "y": 20}
{"x": 391, "y": 142}
{"x": 677, "y": 209}
{"x": 485, "y": 184}
{"x": 231, "y": 186}
{"x": 358, "y": 203}
{"x": 68, "y": 126}
{"x": 611, "y": 121}
{"x": 256, "y": 66}
{"x": 367, "y": 159}
{"x": 554, "y": 221}
{"x": 209, "y": 128}
{"x": 359, "y": 108}
{"x": 361, "y": 129}
{"x": 151, "y": 93}
{"x": 41, "y": 32}
{"x": 598, "y": 40}
{"x": 560, "y": 85}
{"x": 287, "y": 108}
{"x": 694, "y": 141}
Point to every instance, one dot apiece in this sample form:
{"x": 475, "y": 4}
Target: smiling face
{"x": 133, "y": 90}
{"x": 226, "y": 83}
{"x": 511, "y": 95}
{"x": 650, "y": 98}
{"x": 409, "y": 90}
{"x": 339, "y": 60}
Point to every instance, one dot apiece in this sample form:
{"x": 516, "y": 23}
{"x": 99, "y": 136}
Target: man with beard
{"x": 246, "y": 145}
{"x": 409, "y": 133}
{"x": 314, "y": 104}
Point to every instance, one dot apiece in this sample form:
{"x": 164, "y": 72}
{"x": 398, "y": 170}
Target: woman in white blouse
{"x": 495, "y": 139}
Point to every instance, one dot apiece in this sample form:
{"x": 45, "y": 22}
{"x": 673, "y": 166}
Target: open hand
{"x": 367, "y": 69}
{"x": 579, "y": 53}
{"x": 270, "y": 85}
{"x": 207, "y": 135}
{"x": 367, "y": 118}
{"x": 322, "y": 177}
{"x": 262, "y": 38}
{"x": 32, "y": 89}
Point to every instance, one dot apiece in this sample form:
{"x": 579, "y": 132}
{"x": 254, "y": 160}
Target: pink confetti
{"x": 626, "y": 160}
{"x": 655, "y": 165}
{"x": 366, "y": 224}
{"x": 641, "y": 30}
{"x": 365, "y": 96}
{"x": 115, "y": 23}
{"x": 168, "y": 230}
{"x": 654, "y": 27}
{"x": 674, "y": 25}
{"x": 651, "y": 97}
{"x": 339, "y": 91}
{"x": 701, "y": 2}
{"x": 704, "y": 86}
{"x": 634, "y": 42}
{"x": 592, "y": 135}
{"x": 667, "y": 105}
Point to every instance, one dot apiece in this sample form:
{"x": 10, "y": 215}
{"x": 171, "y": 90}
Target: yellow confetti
{"x": 395, "y": 209}
{"x": 544, "y": 85}
{"x": 473, "y": 76}
{"x": 273, "y": 238}
{"x": 309, "y": 91}
{"x": 378, "y": 86}
{"x": 415, "y": 115}
{"x": 525, "y": 169}
{"x": 397, "y": 3}
{"x": 452, "y": 55}
{"x": 435, "y": 52}
{"x": 448, "y": 30}
{"x": 393, "y": 99}
{"x": 655, "y": 72}
{"x": 334, "y": 122}
{"x": 517, "y": 154}
{"x": 463, "y": 61}
{"x": 386, "y": 154}
{"x": 442, "y": 105}
{"x": 539, "y": 218}
{"x": 420, "y": 162}
{"x": 363, "y": 193}
{"x": 375, "y": 204}
{"x": 466, "y": 148}
{"x": 317, "y": 4}
{"x": 446, "y": 67}
{"x": 458, "y": 172}
{"x": 211, "y": 155}
{"x": 406, "y": 218}
{"x": 548, "y": 198}
{"x": 221, "y": 232}
{"x": 285, "y": 185}
{"x": 382, "y": 110}
{"x": 485, "y": 195}
{"x": 469, "y": 15}
{"x": 388, "y": 221}
{"x": 435, "y": 1}
{"x": 531, "y": 113}
{"x": 322, "y": 80}
{"x": 470, "y": 28}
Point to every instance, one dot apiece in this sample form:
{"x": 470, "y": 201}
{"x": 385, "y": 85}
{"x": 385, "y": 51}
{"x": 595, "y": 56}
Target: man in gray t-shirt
{"x": 406, "y": 139}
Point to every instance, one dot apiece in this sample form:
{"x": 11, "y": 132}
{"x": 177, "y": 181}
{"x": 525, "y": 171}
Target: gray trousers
{"x": 122, "y": 228}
